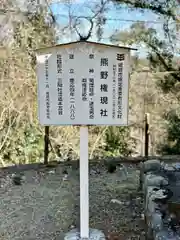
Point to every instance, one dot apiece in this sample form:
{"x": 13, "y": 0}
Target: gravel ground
{"x": 46, "y": 206}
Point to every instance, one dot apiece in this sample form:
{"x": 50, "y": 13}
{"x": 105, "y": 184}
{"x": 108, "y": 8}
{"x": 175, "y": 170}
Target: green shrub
{"x": 172, "y": 143}
{"x": 118, "y": 142}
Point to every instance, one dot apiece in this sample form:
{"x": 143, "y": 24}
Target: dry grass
{"x": 45, "y": 207}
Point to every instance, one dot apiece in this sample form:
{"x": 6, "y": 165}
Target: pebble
{"x": 117, "y": 201}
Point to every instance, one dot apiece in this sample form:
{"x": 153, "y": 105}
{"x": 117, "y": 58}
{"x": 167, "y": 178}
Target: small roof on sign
{"x": 89, "y": 42}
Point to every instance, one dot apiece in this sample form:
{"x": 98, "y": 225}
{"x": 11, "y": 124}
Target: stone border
{"x": 117, "y": 160}
{"x": 154, "y": 183}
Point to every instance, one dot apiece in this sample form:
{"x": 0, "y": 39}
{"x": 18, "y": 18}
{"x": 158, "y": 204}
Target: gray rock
{"x": 168, "y": 167}
{"x": 153, "y": 215}
{"x": 151, "y": 185}
{"x": 94, "y": 234}
{"x": 149, "y": 192}
{"x": 166, "y": 235}
{"x": 154, "y": 225}
{"x": 176, "y": 166}
{"x": 154, "y": 180}
{"x": 151, "y": 207}
{"x": 151, "y": 166}
{"x": 157, "y": 222}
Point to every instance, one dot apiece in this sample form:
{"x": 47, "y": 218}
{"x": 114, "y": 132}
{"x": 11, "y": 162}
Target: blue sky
{"x": 118, "y": 19}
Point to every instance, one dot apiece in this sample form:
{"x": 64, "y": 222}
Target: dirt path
{"x": 45, "y": 206}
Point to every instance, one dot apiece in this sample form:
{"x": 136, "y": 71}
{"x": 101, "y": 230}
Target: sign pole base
{"x": 94, "y": 234}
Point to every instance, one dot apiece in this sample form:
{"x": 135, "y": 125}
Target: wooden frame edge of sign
{"x": 89, "y": 42}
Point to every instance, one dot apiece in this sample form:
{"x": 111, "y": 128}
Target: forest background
{"x": 152, "y": 26}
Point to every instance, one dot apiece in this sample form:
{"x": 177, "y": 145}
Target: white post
{"x": 84, "y": 184}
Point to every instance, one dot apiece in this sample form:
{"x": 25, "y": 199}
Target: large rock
{"x": 153, "y": 180}
{"x": 166, "y": 235}
{"x": 151, "y": 206}
{"x": 151, "y": 166}
{"x": 157, "y": 222}
{"x": 146, "y": 167}
{"x": 154, "y": 226}
{"x": 161, "y": 181}
{"x": 150, "y": 197}
{"x": 153, "y": 214}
